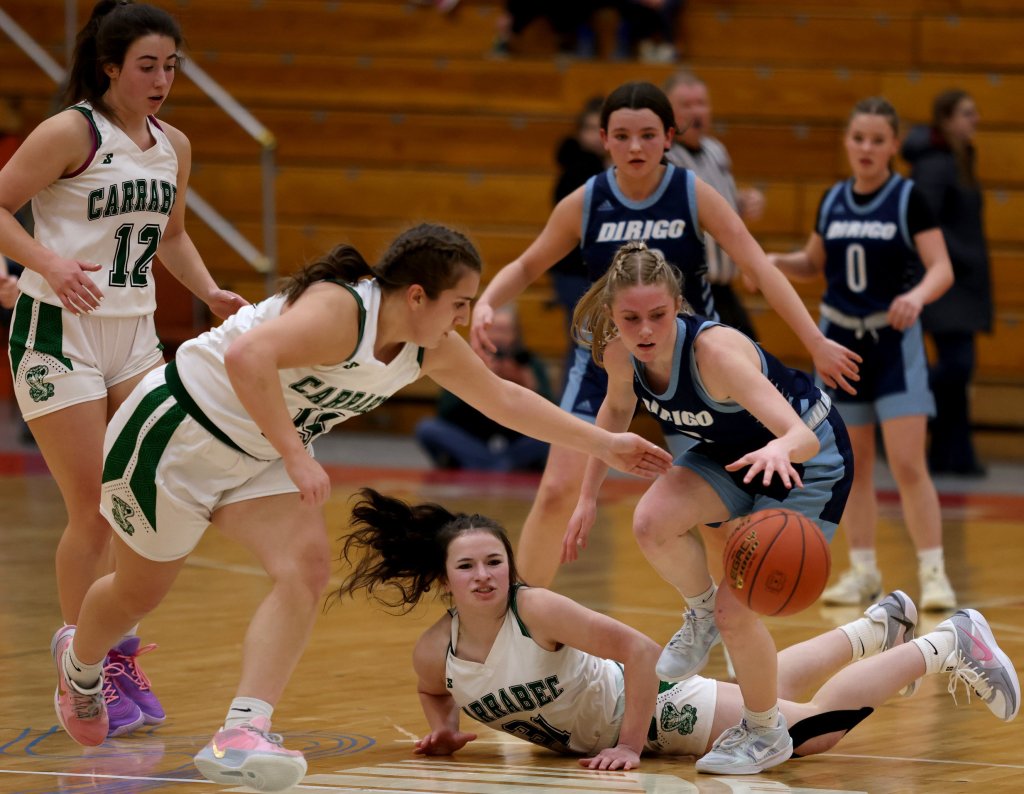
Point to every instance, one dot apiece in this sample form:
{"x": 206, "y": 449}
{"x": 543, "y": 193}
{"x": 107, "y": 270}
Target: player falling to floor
{"x": 765, "y": 436}
{"x": 873, "y": 233}
{"x": 543, "y": 668}
{"x": 222, "y": 435}
{"x": 107, "y": 182}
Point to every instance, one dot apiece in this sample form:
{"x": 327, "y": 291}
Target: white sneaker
{"x": 897, "y": 613}
{"x": 855, "y": 586}
{"x": 688, "y": 650}
{"x": 981, "y": 664}
{"x": 936, "y": 591}
{"x": 746, "y": 750}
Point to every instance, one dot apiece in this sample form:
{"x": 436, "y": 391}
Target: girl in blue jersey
{"x": 765, "y": 436}
{"x": 871, "y": 232}
{"x": 641, "y": 197}
{"x": 107, "y": 183}
{"x": 545, "y": 669}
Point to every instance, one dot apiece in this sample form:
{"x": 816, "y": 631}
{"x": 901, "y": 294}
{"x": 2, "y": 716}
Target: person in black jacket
{"x": 942, "y": 158}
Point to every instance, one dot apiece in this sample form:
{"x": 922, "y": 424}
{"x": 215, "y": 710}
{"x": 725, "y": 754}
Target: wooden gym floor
{"x": 352, "y": 704}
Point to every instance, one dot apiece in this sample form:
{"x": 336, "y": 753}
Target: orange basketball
{"x": 777, "y": 562}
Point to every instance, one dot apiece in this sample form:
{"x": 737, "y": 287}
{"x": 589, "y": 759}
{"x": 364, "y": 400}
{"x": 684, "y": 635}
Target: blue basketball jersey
{"x": 665, "y": 220}
{"x": 870, "y": 256}
{"x": 725, "y": 431}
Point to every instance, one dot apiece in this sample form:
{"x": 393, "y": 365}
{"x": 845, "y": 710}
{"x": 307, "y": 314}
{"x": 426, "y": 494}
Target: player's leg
{"x": 905, "y": 448}
{"x": 862, "y": 582}
{"x": 290, "y": 541}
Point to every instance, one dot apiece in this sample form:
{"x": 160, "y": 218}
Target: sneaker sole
{"x": 986, "y": 632}
{"x": 124, "y": 730}
{"x": 910, "y": 610}
{"x": 260, "y": 772}
{"x": 749, "y": 769}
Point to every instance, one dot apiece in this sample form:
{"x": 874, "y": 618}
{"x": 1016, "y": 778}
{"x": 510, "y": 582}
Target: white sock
{"x": 87, "y": 676}
{"x": 762, "y": 719}
{"x": 244, "y": 709}
{"x": 865, "y": 636}
{"x": 935, "y": 647}
{"x": 864, "y": 559}
{"x": 703, "y": 604}
{"x": 930, "y": 559}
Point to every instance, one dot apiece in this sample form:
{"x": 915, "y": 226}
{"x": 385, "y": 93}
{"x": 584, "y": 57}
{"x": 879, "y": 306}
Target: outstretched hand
{"x": 578, "y": 531}
{"x": 632, "y": 454}
{"x": 836, "y": 365}
{"x": 619, "y": 757}
{"x": 770, "y": 460}
{"x": 443, "y": 742}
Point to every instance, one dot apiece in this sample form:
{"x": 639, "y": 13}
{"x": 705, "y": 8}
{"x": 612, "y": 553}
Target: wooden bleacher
{"x": 388, "y": 113}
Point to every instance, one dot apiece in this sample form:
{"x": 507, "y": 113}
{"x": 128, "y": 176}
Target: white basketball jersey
{"x": 111, "y": 212}
{"x": 317, "y": 397}
{"x": 565, "y": 700}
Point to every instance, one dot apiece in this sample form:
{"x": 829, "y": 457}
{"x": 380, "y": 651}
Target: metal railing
{"x": 265, "y": 261}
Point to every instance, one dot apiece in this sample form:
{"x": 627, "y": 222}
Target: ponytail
{"x": 343, "y": 262}
{"x": 402, "y": 549}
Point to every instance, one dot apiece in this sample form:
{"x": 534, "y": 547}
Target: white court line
{"x": 104, "y": 777}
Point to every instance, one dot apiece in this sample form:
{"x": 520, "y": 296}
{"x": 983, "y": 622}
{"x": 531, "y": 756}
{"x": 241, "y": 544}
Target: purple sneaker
{"x": 123, "y": 713}
{"x": 133, "y": 683}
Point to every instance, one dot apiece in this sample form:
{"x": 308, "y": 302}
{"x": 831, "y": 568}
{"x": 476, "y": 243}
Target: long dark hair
{"x": 943, "y": 107}
{"x": 113, "y": 27}
{"x": 397, "y": 551}
{"x": 430, "y": 255}
{"x": 639, "y": 96}
{"x": 634, "y": 264}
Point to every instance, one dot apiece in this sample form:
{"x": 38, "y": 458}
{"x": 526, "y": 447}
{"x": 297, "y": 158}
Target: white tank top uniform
{"x": 183, "y": 445}
{"x": 567, "y": 700}
{"x": 111, "y": 212}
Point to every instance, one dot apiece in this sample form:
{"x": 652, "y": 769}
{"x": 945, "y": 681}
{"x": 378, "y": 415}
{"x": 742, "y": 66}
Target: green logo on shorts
{"x": 122, "y": 512}
{"x": 38, "y": 389}
{"x": 672, "y": 719}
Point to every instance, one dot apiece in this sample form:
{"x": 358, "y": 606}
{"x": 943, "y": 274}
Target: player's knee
{"x": 305, "y": 570}
{"x": 651, "y": 529}
{"x": 909, "y": 473}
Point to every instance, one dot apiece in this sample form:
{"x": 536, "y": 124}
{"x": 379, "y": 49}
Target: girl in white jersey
{"x": 222, "y": 435}
{"x": 545, "y": 669}
{"x": 107, "y": 184}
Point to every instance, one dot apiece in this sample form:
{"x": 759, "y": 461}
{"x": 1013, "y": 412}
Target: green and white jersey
{"x": 111, "y": 212}
{"x": 316, "y": 397}
{"x": 566, "y": 700}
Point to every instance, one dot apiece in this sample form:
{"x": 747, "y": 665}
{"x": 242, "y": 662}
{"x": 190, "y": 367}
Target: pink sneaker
{"x": 81, "y": 712}
{"x": 251, "y": 756}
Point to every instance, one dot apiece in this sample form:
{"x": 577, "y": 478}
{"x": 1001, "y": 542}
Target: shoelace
{"x": 131, "y": 666}
{"x": 110, "y": 693}
{"x": 86, "y": 707}
{"x": 962, "y": 671}
{"x": 734, "y": 736}
{"x": 273, "y": 738}
{"x": 684, "y": 637}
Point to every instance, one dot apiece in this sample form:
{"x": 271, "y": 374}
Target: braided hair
{"x": 431, "y": 255}
{"x": 398, "y": 552}
{"x": 634, "y": 265}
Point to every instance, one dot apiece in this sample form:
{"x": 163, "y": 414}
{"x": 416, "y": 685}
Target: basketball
{"x": 777, "y": 562}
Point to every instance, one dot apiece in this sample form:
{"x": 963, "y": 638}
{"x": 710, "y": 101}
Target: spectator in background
{"x": 695, "y": 149}
{"x": 579, "y": 157}
{"x": 942, "y": 160}
{"x": 565, "y": 18}
{"x": 651, "y": 27}
{"x": 461, "y": 437}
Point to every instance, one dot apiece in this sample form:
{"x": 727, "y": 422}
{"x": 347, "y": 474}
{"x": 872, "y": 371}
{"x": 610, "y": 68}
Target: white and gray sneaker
{"x": 747, "y": 750}
{"x": 855, "y": 586}
{"x": 897, "y": 613}
{"x": 688, "y": 650}
{"x": 981, "y": 664}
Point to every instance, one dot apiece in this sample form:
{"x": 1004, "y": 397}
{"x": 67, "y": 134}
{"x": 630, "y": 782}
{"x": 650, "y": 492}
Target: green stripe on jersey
{"x": 121, "y": 452}
{"x": 19, "y": 331}
{"x": 143, "y": 480}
